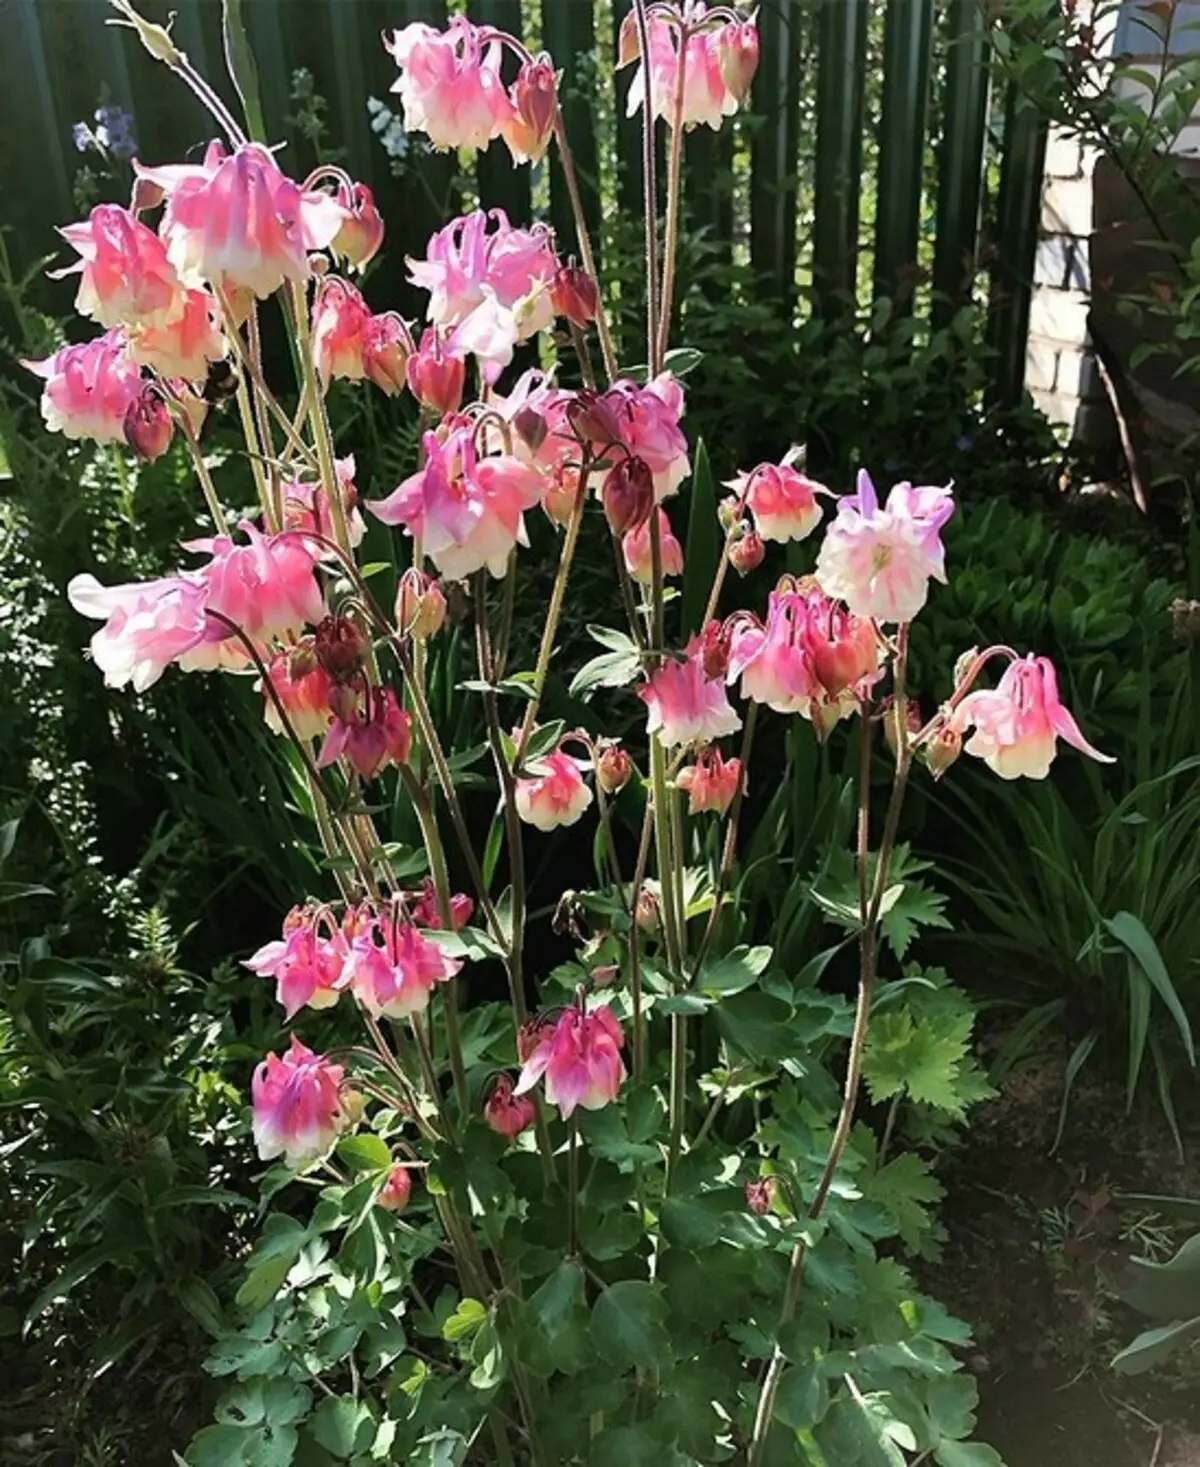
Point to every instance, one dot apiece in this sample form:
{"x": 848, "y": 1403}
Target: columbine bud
{"x": 385, "y": 353}
{"x": 396, "y": 1190}
{"x": 354, "y": 1105}
{"x": 156, "y": 38}
{"x": 646, "y": 913}
{"x": 359, "y": 238}
{"x": 760, "y": 1195}
{"x": 534, "y": 105}
{"x": 508, "y": 1114}
{"x": 737, "y": 56}
{"x": 747, "y": 553}
{"x": 593, "y": 420}
{"x": 420, "y": 605}
{"x": 148, "y": 425}
{"x": 530, "y": 427}
{"x": 628, "y": 495}
{"x": 942, "y": 750}
{"x": 729, "y": 512}
{"x": 340, "y": 645}
{"x": 613, "y": 768}
{"x": 890, "y": 714}
{"x": 963, "y": 665}
{"x": 714, "y": 649}
{"x": 302, "y": 660}
{"x": 436, "y": 375}
{"x": 574, "y": 296}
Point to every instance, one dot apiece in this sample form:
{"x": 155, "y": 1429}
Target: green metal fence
{"x": 873, "y": 153}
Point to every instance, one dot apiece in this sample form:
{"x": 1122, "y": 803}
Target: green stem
{"x": 573, "y": 1188}
{"x": 674, "y": 190}
{"x": 206, "y": 483}
{"x": 317, "y": 418}
{"x": 583, "y": 234}
{"x": 650, "y": 189}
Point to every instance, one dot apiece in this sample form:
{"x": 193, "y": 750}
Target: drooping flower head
{"x": 710, "y": 783}
{"x": 149, "y": 426}
{"x": 267, "y": 586}
{"x": 425, "y": 912}
{"x": 552, "y": 791}
{"x": 489, "y": 283}
{"x": 304, "y": 688}
{"x": 437, "y": 373}
{"x": 395, "y": 1192}
{"x": 236, "y": 221}
{"x": 308, "y": 963}
{"x": 125, "y": 276}
{"x": 298, "y": 1111}
{"x": 580, "y": 1057}
{"x": 879, "y": 561}
{"x": 647, "y": 418}
{"x": 718, "y": 65}
{"x": 306, "y": 507}
{"x": 184, "y": 346}
{"x": 393, "y": 968}
{"x": 532, "y": 107}
{"x": 339, "y": 322}
{"x": 147, "y": 625}
{"x": 782, "y": 500}
{"x": 810, "y": 656}
{"x": 357, "y": 242}
{"x": 449, "y": 83}
{"x": 467, "y": 511}
{"x": 89, "y": 388}
{"x": 371, "y": 736}
{"x": 686, "y": 705}
{"x": 1017, "y": 726}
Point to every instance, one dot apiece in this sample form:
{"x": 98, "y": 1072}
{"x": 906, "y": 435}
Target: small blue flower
{"x": 114, "y": 131}
{"x": 83, "y": 137}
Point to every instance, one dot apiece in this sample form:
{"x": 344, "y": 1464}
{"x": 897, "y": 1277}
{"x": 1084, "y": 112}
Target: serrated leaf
{"x": 466, "y": 1319}
{"x": 365, "y": 1153}
{"x": 628, "y": 1325}
{"x": 966, "y": 1454}
{"x": 906, "y": 1189}
{"x": 736, "y": 970}
{"x": 558, "y": 1317}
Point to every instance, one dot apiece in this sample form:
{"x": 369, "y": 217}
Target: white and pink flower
{"x": 782, "y": 500}
{"x": 1018, "y": 724}
{"x": 879, "y": 561}
{"x": 711, "y": 782}
{"x": 308, "y": 963}
{"x": 298, "y": 1112}
{"x": 685, "y": 705}
{"x": 718, "y": 66}
{"x": 393, "y": 969}
{"x": 89, "y": 388}
{"x": 638, "y": 556}
{"x": 125, "y": 276}
{"x": 580, "y": 1058}
{"x": 449, "y": 83}
{"x": 552, "y": 791}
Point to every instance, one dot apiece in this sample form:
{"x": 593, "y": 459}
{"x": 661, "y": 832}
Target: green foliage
{"x": 1163, "y": 1291}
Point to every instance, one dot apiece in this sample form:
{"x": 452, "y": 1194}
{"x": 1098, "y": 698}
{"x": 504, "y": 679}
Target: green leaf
{"x": 218, "y": 1446}
{"x": 702, "y": 550}
{"x": 906, "y": 1189}
{"x": 1154, "y": 1347}
{"x": 342, "y": 1425}
{"x": 966, "y": 1454}
{"x": 285, "y": 1401}
{"x": 737, "y": 970}
{"x": 951, "y": 1404}
{"x": 915, "y": 906}
{"x": 1131, "y": 932}
{"x": 1167, "y": 1290}
{"x": 802, "y": 1398}
{"x": 465, "y": 1320}
{"x": 239, "y": 59}
{"x": 558, "y": 1317}
{"x": 644, "y": 1113}
{"x": 756, "y": 1025}
{"x": 365, "y": 1152}
{"x": 272, "y": 1260}
{"x": 609, "y": 670}
{"x": 626, "y": 1446}
{"x": 923, "y": 1058}
{"x": 628, "y": 1325}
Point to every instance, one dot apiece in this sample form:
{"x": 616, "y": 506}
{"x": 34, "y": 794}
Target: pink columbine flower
{"x": 147, "y": 625}
{"x": 426, "y": 913}
{"x": 737, "y": 55}
{"x": 810, "y": 657}
{"x": 437, "y": 374}
{"x": 552, "y": 792}
{"x": 370, "y": 738}
{"x": 236, "y": 221}
{"x": 89, "y": 388}
{"x": 306, "y": 507}
{"x": 395, "y": 1192}
{"x": 580, "y": 1058}
{"x": 393, "y": 968}
{"x": 466, "y": 511}
{"x": 489, "y": 283}
{"x": 685, "y": 705}
{"x": 420, "y": 605}
{"x": 1017, "y": 725}
{"x": 717, "y": 70}
{"x": 710, "y": 783}
{"x": 508, "y": 1114}
{"x": 125, "y": 276}
{"x": 339, "y": 321}
{"x": 449, "y": 83}
{"x": 533, "y": 105}
{"x": 782, "y": 500}
{"x": 298, "y": 1110}
{"x": 880, "y": 561}
{"x": 387, "y": 347}
{"x": 184, "y": 346}
{"x": 303, "y": 687}
{"x": 358, "y": 241}
{"x": 308, "y": 963}
{"x": 267, "y": 587}
{"x": 648, "y": 422}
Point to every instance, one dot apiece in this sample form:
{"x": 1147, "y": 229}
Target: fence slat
{"x": 630, "y": 185}
{"x": 961, "y": 158}
{"x": 774, "y": 150}
{"x": 503, "y": 185}
{"x": 841, "y": 66}
{"x": 708, "y": 187}
{"x": 908, "y": 34}
{"x": 35, "y": 139}
{"x": 350, "y": 41}
{"x": 569, "y": 34}
{"x": 269, "y": 44}
{"x": 1018, "y": 209}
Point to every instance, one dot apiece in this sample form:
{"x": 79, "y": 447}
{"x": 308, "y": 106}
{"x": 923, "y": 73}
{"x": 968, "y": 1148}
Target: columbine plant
{"x": 624, "y": 1214}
